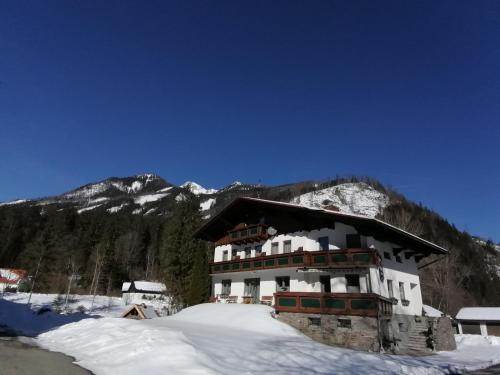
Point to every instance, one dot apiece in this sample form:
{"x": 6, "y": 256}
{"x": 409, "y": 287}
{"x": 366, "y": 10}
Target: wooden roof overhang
{"x": 289, "y": 218}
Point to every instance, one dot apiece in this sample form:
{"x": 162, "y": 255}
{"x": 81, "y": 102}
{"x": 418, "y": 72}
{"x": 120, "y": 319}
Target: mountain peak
{"x": 197, "y": 189}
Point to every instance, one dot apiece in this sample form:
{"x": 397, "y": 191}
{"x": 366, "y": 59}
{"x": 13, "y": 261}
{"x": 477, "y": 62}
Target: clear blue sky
{"x": 405, "y": 91}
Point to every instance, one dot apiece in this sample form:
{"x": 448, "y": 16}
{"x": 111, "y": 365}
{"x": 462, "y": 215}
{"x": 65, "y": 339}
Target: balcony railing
{"x": 360, "y": 304}
{"x": 344, "y": 258}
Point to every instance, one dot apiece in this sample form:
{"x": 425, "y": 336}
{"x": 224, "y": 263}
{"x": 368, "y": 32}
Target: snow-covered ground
{"x": 232, "y": 339}
{"x": 353, "y": 198}
{"x": 18, "y": 316}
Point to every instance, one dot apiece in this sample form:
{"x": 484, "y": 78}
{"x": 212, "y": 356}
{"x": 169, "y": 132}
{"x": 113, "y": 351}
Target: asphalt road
{"x": 17, "y": 357}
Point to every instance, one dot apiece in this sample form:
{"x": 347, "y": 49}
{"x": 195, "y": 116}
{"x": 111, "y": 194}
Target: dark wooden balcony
{"x": 343, "y": 258}
{"x": 243, "y": 234}
{"x": 359, "y": 304}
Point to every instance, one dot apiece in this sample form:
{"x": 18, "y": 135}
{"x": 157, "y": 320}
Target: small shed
{"x": 140, "y": 312}
{"x": 137, "y": 291}
{"x": 479, "y": 321}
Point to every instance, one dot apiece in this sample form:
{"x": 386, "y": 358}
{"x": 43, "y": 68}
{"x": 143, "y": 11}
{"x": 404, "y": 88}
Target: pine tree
{"x": 180, "y": 252}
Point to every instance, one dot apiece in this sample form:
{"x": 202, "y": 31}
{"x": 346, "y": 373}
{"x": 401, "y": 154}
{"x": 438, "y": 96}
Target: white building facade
{"x": 313, "y": 263}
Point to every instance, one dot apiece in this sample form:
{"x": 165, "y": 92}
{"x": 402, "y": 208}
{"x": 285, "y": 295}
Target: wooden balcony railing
{"x": 344, "y": 258}
{"x": 360, "y": 304}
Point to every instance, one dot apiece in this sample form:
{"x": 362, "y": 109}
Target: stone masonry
{"x": 354, "y": 332}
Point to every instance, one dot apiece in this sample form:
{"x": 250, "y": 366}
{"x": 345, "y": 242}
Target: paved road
{"x": 20, "y": 358}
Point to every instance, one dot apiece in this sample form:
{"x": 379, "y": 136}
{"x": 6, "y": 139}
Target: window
{"x": 387, "y": 255}
{"x": 234, "y": 235}
{"x": 234, "y": 253}
{"x": 352, "y": 283}
{"x": 248, "y": 252}
{"x": 243, "y": 233}
{"x": 225, "y": 255}
{"x": 353, "y": 241}
{"x": 252, "y": 288}
{"x": 324, "y": 243}
{"x": 390, "y": 288}
{"x": 344, "y": 323}
{"x": 283, "y": 284}
{"x": 253, "y": 231}
{"x": 402, "y": 291}
{"x": 398, "y": 259}
{"x": 226, "y": 287}
{"x": 258, "y": 250}
{"x": 274, "y": 247}
{"x": 287, "y": 246}
{"x": 313, "y": 321}
{"x": 325, "y": 284}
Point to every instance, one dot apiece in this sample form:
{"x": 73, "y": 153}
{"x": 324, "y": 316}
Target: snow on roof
{"x": 126, "y": 286}
{"x": 11, "y": 276}
{"x": 479, "y": 313}
{"x": 150, "y": 286}
{"x": 431, "y": 311}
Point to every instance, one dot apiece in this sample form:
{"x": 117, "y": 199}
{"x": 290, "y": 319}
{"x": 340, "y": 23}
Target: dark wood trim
{"x": 342, "y": 258}
{"x": 356, "y": 304}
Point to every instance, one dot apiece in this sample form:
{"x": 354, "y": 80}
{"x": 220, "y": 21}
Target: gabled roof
{"x": 143, "y": 311}
{"x": 289, "y": 218}
{"x": 479, "y": 313}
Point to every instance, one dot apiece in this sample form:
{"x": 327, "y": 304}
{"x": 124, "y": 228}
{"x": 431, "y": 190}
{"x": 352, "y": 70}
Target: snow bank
{"x": 234, "y": 339}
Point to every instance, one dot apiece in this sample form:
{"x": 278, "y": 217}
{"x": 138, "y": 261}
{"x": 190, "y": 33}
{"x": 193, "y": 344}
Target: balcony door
{"x": 252, "y": 289}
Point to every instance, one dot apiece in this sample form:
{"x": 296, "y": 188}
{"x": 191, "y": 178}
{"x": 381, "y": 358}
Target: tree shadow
{"x": 18, "y": 319}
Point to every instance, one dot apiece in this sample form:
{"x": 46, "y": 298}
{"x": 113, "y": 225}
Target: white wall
{"x": 308, "y": 240}
{"x": 405, "y": 272}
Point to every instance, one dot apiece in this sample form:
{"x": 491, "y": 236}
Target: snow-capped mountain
{"x": 152, "y": 195}
{"x": 354, "y": 198}
{"x": 197, "y": 189}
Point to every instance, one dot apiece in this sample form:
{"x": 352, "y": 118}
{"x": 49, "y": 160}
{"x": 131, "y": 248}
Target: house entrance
{"x": 252, "y": 290}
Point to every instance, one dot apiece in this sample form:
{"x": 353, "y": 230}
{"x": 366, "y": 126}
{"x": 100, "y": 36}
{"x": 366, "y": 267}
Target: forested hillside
{"x": 141, "y": 228}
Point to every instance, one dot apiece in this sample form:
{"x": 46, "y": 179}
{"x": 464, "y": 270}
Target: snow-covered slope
{"x": 355, "y": 198}
{"x": 128, "y": 185}
{"x": 238, "y": 339}
{"x": 197, "y": 189}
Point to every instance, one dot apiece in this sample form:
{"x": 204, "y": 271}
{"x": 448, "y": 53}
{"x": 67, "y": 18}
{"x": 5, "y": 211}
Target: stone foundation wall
{"x": 399, "y": 334}
{"x": 334, "y": 329}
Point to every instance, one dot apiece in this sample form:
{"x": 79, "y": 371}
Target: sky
{"x": 407, "y": 92}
